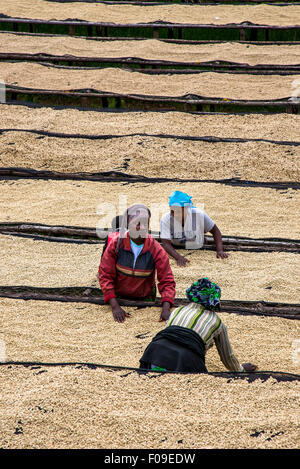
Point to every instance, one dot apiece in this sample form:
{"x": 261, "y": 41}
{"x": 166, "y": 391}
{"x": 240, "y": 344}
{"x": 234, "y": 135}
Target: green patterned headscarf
{"x": 205, "y": 292}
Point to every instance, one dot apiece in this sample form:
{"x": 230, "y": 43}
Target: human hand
{"x": 222, "y": 255}
{"x": 182, "y": 261}
{"x": 119, "y": 314}
{"x": 165, "y": 314}
{"x": 249, "y": 367}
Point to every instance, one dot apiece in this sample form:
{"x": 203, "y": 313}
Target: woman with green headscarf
{"x": 190, "y": 331}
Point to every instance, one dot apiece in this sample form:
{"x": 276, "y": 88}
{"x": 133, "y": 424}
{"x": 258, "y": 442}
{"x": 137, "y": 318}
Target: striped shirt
{"x": 210, "y": 328}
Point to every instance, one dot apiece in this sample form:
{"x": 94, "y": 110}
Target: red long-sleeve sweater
{"x": 117, "y": 277}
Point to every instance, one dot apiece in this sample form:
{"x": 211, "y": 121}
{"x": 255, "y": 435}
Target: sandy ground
{"x": 193, "y": 14}
{"x": 229, "y": 86}
{"x": 151, "y": 157}
{"x": 239, "y": 211}
{"x": 151, "y": 49}
{"x": 78, "y": 332}
{"x": 52, "y": 264}
{"x": 76, "y": 407}
{"x": 135, "y": 155}
{"x": 82, "y": 408}
{"x": 73, "y": 121}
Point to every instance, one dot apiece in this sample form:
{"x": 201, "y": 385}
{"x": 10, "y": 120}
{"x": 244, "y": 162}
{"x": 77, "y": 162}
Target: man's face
{"x": 179, "y": 213}
{"x": 138, "y": 225}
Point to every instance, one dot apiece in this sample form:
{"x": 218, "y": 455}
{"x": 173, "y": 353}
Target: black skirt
{"x": 176, "y": 348}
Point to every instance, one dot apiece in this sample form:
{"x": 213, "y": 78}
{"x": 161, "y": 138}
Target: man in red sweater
{"x": 129, "y": 264}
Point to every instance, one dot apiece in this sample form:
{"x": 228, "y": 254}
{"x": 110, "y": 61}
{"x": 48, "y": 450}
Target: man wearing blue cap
{"x": 184, "y": 226}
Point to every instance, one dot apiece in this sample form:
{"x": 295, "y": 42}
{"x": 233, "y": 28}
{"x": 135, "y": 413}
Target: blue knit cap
{"x": 181, "y": 199}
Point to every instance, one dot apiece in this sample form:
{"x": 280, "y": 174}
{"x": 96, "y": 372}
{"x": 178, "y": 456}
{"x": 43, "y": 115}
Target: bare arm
{"x": 217, "y": 235}
{"x": 167, "y": 245}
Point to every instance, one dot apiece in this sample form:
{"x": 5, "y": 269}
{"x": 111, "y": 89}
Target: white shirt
{"x": 136, "y": 249}
{"x": 192, "y": 234}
